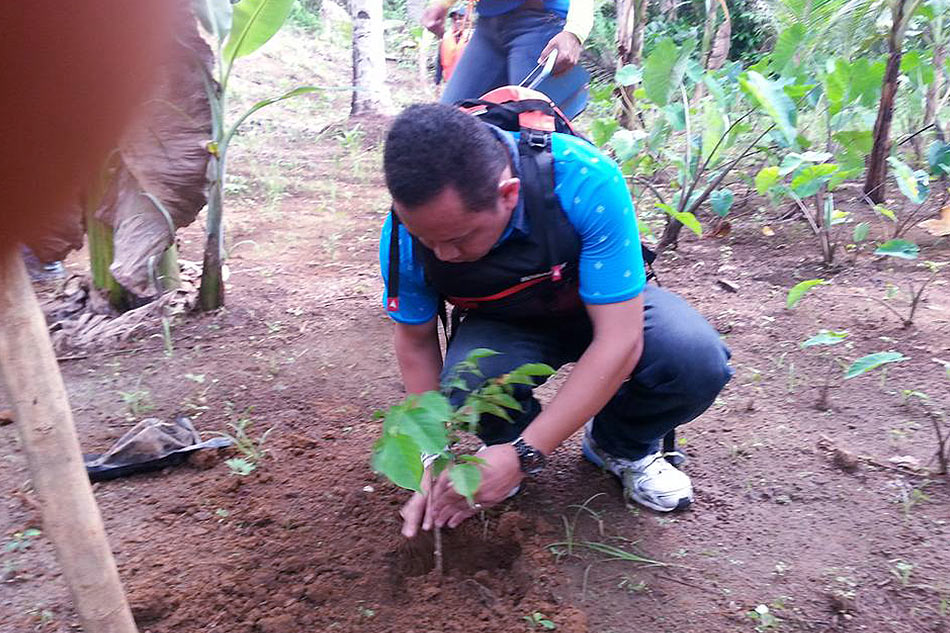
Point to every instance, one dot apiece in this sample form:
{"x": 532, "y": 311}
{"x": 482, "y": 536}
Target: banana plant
{"x": 237, "y": 31}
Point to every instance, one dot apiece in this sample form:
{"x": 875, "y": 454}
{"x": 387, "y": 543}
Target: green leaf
{"x": 423, "y": 419}
{"x": 772, "y": 100}
{"x": 798, "y": 291}
{"x": 837, "y": 82}
{"x": 215, "y": 17}
{"x": 915, "y": 185}
{"x": 810, "y": 179}
{"x": 686, "y": 218}
{"x": 626, "y": 143}
{"x": 767, "y": 178}
{"x": 479, "y": 353}
{"x": 887, "y": 213}
{"x": 903, "y": 249}
{"x": 866, "y": 81}
{"x": 263, "y": 103}
{"x": 664, "y": 68}
{"x": 255, "y": 22}
{"x": 938, "y": 158}
{"x": 602, "y": 129}
{"x": 398, "y": 458}
{"x": 861, "y": 231}
{"x": 483, "y": 406}
{"x": 629, "y": 75}
{"x": 786, "y": 45}
{"x": 872, "y": 361}
{"x": 714, "y": 127}
{"x": 465, "y": 479}
{"x": 536, "y": 369}
{"x": 721, "y": 201}
{"x": 240, "y": 466}
{"x": 859, "y": 141}
{"x": 826, "y": 337}
{"x": 505, "y": 400}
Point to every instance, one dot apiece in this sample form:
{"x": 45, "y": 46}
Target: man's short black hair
{"x": 432, "y": 146}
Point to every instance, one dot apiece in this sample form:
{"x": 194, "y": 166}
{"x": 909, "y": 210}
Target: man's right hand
{"x": 412, "y": 514}
{"x": 433, "y": 18}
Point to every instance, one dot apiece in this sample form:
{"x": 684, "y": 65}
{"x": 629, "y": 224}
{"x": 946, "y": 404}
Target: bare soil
{"x": 799, "y": 508}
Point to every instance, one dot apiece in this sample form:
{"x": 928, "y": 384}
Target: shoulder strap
{"x": 392, "y": 280}
{"x": 537, "y": 179}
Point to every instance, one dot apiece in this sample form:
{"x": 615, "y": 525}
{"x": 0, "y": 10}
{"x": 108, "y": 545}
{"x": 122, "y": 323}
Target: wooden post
{"x": 70, "y": 516}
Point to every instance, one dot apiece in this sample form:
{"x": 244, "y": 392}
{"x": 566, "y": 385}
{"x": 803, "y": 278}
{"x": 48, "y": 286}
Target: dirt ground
{"x": 853, "y": 540}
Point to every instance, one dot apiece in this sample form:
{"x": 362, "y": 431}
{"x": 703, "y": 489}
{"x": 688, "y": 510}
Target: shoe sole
{"x": 595, "y": 459}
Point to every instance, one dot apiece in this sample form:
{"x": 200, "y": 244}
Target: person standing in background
{"x": 511, "y": 38}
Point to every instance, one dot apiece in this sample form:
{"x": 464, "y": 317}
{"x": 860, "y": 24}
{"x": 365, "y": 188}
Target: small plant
{"x": 902, "y": 571}
{"x": 21, "y": 541}
{"x": 763, "y": 618}
{"x": 538, "y": 620}
{"x": 252, "y": 450}
{"x": 138, "y": 401}
{"x": 824, "y": 339}
{"x": 419, "y": 433}
{"x": 854, "y": 369}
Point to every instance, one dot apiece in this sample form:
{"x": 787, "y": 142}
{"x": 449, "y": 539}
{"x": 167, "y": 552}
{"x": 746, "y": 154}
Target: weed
{"x": 763, "y": 618}
{"x": 902, "y": 570}
{"x": 138, "y": 401}
{"x": 21, "y": 541}
{"x": 570, "y": 527}
{"x": 538, "y": 620}
{"x": 251, "y": 449}
{"x": 632, "y": 586}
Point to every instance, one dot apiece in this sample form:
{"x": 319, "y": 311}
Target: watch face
{"x": 531, "y": 459}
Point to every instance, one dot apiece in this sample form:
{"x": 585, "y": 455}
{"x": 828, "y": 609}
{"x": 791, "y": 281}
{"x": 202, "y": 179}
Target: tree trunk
{"x": 211, "y": 293}
{"x": 716, "y": 43}
{"x": 371, "y": 94}
{"x": 876, "y": 180}
{"x": 631, "y": 20}
{"x": 935, "y": 87}
{"x": 668, "y": 10}
{"x": 71, "y": 519}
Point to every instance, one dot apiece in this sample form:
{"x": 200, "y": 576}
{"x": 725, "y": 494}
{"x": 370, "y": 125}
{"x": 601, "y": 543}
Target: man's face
{"x": 455, "y": 233}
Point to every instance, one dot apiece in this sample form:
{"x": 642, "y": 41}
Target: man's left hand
{"x": 568, "y": 51}
{"x": 501, "y": 472}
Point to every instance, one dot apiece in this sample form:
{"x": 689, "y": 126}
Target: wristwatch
{"x": 531, "y": 459}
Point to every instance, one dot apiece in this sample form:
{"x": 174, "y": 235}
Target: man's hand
{"x": 433, "y": 18}
{"x": 501, "y": 472}
{"x": 568, "y": 49}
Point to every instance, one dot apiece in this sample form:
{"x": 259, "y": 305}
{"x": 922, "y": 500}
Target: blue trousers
{"x": 504, "y": 49}
{"x": 683, "y": 368}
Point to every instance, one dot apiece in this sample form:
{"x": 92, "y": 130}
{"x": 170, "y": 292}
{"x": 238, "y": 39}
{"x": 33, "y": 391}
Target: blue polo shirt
{"x": 595, "y": 199}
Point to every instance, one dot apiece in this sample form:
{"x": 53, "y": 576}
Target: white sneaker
{"x": 650, "y": 481}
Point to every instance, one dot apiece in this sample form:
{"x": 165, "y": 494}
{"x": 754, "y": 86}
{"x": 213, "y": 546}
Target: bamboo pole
{"x": 70, "y": 516}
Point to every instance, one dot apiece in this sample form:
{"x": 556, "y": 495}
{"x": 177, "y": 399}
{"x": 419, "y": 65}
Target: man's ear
{"x": 508, "y": 191}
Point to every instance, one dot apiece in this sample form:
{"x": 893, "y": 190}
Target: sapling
{"x": 856, "y": 368}
{"x": 825, "y": 339}
{"x": 419, "y": 434}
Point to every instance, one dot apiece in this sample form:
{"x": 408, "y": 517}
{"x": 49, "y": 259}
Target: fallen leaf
{"x": 767, "y": 230}
{"x": 938, "y": 226}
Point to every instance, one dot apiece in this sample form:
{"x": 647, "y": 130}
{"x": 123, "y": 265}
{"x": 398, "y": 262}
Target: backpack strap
{"x": 392, "y": 280}
{"x": 537, "y": 180}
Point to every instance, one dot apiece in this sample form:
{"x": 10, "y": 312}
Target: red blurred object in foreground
{"x": 73, "y": 72}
